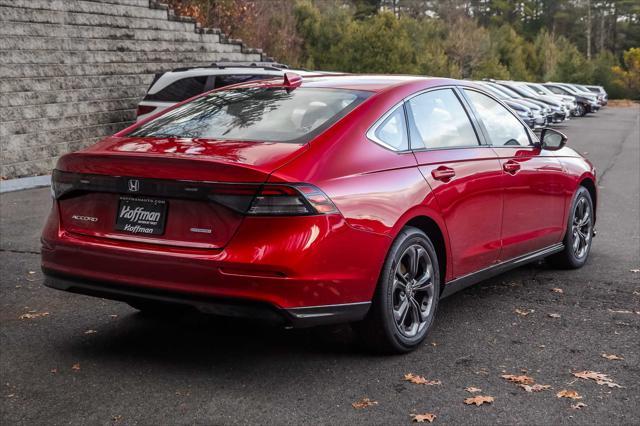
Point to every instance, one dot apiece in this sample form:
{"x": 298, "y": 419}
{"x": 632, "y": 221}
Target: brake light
{"x": 280, "y": 200}
{"x": 144, "y": 109}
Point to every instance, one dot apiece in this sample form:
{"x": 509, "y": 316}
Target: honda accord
{"x": 332, "y": 199}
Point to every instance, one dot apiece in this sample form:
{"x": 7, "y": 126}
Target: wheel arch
{"x": 438, "y": 237}
{"x": 589, "y": 184}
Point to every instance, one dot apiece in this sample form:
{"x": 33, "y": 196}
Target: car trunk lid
{"x": 163, "y": 191}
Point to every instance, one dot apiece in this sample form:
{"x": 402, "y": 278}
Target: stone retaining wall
{"x": 73, "y": 71}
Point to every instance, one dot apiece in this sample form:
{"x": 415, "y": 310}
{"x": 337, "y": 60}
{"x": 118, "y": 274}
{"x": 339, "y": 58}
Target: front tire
{"x": 579, "y": 234}
{"x": 406, "y": 298}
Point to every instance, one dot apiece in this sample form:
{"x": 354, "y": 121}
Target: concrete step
{"x": 19, "y": 99}
{"x": 71, "y": 18}
{"x": 82, "y": 6}
{"x": 46, "y": 151}
{"x": 91, "y": 32}
{"x": 27, "y": 85}
{"x": 48, "y": 57}
{"x": 21, "y": 127}
{"x": 32, "y": 71}
{"x": 29, "y": 140}
{"x": 102, "y": 45}
{"x": 29, "y": 168}
{"x": 141, "y": 3}
{"x": 68, "y": 109}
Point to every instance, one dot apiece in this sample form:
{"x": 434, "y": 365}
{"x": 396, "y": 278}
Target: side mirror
{"x": 552, "y": 140}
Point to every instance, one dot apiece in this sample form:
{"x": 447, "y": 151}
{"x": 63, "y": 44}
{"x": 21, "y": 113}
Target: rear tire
{"x": 579, "y": 234}
{"x": 406, "y": 298}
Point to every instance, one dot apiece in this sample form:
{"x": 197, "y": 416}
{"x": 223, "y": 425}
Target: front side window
{"x": 267, "y": 114}
{"x": 503, "y": 127}
{"x": 439, "y": 121}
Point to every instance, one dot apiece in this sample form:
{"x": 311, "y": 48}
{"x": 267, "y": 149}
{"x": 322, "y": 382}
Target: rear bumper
{"x": 297, "y": 317}
{"x": 290, "y": 264}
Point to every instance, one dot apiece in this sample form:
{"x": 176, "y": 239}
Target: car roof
{"x": 368, "y": 82}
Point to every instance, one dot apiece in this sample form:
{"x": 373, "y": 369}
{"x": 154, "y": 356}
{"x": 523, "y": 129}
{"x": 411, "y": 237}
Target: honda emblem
{"x": 134, "y": 185}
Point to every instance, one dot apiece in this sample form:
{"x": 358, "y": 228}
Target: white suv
{"x": 175, "y": 86}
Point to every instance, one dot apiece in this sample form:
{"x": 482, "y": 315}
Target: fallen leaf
{"x": 557, "y": 290}
{"x": 568, "y": 394}
{"x": 421, "y": 418}
{"x": 479, "y": 400}
{"x": 612, "y": 357}
{"x": 521, "y": 380}
{"x": 608, "y": 384}
{"x": 33, "y": 315}
{"x": 471, "y": 389}
{"x": 554, "y": 315}
{"x": 579, "y": 405}
{"x": 90, "y": 332}
{"x": 76, "y": 366}
{"x": 117, "y": 418}
{"x": 535, "y": 388}
{"x": 524, "y": 312}
{"x": 592, "y": 375}
{"x": 363, "y": 403}
{"x": 419, "y": 380}
{"x": 599, "y": 378}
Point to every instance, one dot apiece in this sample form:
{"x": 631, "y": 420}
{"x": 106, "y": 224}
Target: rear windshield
{"x": 269, "y": 114}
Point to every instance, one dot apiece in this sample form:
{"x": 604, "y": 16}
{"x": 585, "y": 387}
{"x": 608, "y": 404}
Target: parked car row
{"x": 537, "y": 104}
{"x": 544, "y": 104}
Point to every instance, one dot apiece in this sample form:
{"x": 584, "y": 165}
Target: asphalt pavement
{"x": 79, "y": 360}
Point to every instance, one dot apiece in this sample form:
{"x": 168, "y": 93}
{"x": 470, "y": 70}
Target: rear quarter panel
{"x": 375, "y": 189}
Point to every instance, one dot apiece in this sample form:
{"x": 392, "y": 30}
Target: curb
{"x": 24, "y": 183}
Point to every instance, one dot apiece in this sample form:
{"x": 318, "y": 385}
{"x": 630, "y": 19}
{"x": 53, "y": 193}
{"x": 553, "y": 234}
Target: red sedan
{"x": 361, "y": 199}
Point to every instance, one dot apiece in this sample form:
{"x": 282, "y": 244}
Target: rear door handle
{"x": 511, "y": 167}
{"x": 443, "y": 173}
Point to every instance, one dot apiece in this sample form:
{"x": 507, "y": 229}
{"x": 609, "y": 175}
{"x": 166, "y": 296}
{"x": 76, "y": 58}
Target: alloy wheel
{"x": 581, "y": 228}
{"x": 413, "y": 291}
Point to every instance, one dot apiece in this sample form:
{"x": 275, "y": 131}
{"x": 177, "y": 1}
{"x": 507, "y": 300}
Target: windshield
{"x": 269, "y": 114}
{"x": 527, "y": 91}
{"x": 569, "y": 89}
{"x": 494, "y": 91}
{"x": 541, "y": 89}
{"x": 506, "y": 90}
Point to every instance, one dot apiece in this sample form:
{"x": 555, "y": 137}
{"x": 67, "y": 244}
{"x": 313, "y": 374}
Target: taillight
{"x": 276, "y": 200}
{"x": 144, "y": 109}
{"x": 255, "y": 199}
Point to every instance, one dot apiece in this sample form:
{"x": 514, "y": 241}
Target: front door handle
{"x": 443, "y": 173}
{"x": 511, "y": 167}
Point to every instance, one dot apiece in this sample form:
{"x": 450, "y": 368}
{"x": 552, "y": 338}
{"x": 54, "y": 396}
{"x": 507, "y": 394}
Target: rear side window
{"x": 438, "y": 120}
{"x": 503, "y": 127}
{"x": 267, "y": 114}
{"x": 392, "y": 132}
{"x": 179, "y": 90}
